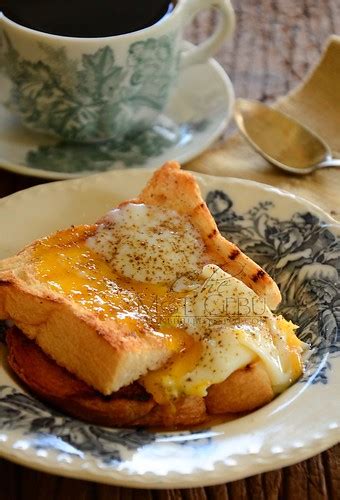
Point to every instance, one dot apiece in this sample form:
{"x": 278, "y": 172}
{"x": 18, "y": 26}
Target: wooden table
{"x": 275, "y": 44}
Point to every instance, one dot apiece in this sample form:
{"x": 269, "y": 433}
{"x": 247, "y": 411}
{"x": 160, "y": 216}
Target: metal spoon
{"x": 281, "y": 140}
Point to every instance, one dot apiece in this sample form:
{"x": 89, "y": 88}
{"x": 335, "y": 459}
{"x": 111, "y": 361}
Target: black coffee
{"x": 86, "y": 18}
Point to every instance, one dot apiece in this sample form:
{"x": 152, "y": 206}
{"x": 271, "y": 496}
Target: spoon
{"x": 282, "y": 140}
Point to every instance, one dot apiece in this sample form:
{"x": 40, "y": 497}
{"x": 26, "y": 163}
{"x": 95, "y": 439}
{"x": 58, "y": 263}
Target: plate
{"x": 295, "y": 241}
{"x": 199, "y": 110}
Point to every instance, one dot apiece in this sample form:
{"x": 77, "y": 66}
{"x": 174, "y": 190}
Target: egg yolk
{"x": 68, "y": 266}
{"x": 295, "y": 346}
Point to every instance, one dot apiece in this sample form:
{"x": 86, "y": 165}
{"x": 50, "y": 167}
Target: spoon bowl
{"x": 280, "y": 139}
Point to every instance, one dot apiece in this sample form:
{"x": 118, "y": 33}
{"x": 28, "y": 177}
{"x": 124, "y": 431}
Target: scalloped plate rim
{"x": 139, "y": 482}
{"x": 222, "y": 472}
{"x": 150, "y": 170}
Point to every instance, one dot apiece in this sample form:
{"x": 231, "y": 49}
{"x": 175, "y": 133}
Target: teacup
{"x": 95, "y": 89}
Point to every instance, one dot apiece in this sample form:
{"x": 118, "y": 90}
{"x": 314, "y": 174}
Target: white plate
{"x": 198, "y": 112}
{"x": 296, "y": 241}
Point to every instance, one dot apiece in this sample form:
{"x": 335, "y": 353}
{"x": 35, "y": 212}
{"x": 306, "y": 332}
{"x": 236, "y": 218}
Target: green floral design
{"x": 134, "y": 150}
{"x": 92, "y": 98}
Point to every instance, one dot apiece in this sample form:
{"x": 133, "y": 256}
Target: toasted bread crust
{"x": 183, "y": 412}
{"x": 243, "y": 391}
{"x": 176, "y": 189}
{"x": 63, "y": 330}
{"x": 64, "y": 391}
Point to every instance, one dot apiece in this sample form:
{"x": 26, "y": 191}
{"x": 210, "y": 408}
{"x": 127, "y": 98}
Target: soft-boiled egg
{"x": 234, "y": 328}
{"x": 149, "y": 244}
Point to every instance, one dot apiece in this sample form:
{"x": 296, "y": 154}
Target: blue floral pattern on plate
{"x": 303, "y": 256}
{"x": 50, "y": 429}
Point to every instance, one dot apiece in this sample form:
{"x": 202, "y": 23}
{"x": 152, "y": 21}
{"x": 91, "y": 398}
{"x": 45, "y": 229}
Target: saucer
{"x": 199, "y": 110}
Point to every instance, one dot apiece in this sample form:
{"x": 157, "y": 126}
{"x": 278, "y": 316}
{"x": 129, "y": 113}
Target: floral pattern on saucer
{"x": 99, "y": 157}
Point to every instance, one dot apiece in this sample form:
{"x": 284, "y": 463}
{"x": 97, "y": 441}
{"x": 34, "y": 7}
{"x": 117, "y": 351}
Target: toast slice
{"x": 58, "y": 387}
{"x": 106, "y": 354}
{"x": 102, "y": 349}
{"x": 243, "y": 391}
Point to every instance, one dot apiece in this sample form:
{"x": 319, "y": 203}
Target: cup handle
{"x": 224, "y": 29}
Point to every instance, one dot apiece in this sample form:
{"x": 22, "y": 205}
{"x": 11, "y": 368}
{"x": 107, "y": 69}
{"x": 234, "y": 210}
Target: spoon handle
{"x": 330, "y": 163}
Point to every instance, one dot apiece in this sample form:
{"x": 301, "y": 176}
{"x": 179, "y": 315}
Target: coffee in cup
{"x": 87, "y": 18}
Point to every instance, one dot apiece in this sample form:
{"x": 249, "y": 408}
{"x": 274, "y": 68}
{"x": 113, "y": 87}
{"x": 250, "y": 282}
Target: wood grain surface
{"x": 275, "y": 44}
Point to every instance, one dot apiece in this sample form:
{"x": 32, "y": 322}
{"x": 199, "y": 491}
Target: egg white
{"x": 149, "y": 244}
{"x": 235, "y": 328}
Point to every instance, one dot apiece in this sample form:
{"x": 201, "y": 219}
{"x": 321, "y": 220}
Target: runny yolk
{"x": 165, "y": 383}
{"x": 294, "y": 346}
{"x": 68, "y": 266}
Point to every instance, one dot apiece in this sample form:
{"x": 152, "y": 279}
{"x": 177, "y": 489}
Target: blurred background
{"x": 275, "y": 43}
